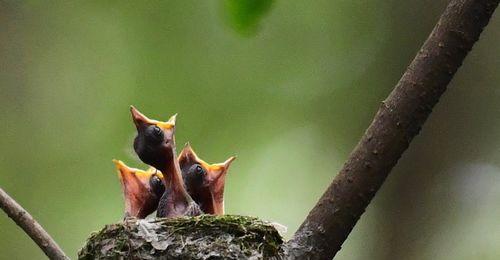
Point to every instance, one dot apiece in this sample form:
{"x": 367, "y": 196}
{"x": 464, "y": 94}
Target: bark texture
{"x": 396, "y": 123}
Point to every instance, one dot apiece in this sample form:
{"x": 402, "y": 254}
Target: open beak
{"x": 188, "y": 155}
{"x": 142, "y": 121}
{"x": 131, "y": 175}
{"x": 139, "y": 201}
{"x": 215, "y": 171}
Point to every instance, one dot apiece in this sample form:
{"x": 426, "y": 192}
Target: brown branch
{"x": 398, "y": 120}
{"x": 30, "y": 226}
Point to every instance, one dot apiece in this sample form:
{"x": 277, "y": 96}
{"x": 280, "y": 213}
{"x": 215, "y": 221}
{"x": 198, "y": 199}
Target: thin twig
{"x": 31, "y": 227}
{"x": 398, "y": 120}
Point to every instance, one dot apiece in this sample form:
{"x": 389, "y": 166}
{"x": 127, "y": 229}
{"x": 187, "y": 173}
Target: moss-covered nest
{"x": 202, "y": 237}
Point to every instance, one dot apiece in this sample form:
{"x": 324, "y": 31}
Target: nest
{"x": 201, "y": 237}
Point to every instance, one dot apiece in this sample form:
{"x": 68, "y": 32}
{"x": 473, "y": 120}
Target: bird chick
{"x": 142, "y": 190}
{"x": 155, "y": 145}
{"x": 204, "y": 182}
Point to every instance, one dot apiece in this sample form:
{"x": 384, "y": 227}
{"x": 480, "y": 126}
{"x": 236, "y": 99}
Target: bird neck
{"x": 174, "y": 180}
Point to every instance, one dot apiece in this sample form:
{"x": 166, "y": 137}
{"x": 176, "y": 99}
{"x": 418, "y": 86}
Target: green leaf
{"x": 244, "y": 15}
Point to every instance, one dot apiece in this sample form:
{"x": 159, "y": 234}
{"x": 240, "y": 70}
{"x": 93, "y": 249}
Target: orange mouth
{"x": 140, "y": 120}
{"x": 139, "y": 199}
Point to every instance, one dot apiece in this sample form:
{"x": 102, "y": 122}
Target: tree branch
{"x": 398, "y": 120}
{"x": 30, "y": 226}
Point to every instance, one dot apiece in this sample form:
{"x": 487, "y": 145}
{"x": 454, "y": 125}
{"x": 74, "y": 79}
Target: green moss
{"x": 202, "y": 237}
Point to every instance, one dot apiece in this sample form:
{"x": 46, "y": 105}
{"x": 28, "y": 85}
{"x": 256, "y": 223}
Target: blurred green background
{"x": 289, "y": 87}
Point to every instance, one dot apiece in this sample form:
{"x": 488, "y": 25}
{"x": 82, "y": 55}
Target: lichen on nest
{"x": 201, "y": 237}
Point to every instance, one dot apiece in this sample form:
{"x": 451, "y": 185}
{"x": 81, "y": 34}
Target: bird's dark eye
{"x": 154, "y": 133}
{"x": 157, "y": 185}
{"x": 198, "y": 169}
{"x": 157, "y": 131}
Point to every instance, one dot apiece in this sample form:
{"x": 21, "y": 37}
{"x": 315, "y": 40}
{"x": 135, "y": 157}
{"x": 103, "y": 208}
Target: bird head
{"x": 142, "y": 190}
{"x": 154, "y": 143}
{"x": 204, "y": 182}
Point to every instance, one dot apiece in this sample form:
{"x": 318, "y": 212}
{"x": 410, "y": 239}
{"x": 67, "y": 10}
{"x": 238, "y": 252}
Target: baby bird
{"x": 142, "y": 190}
{"x": 155, "y": 145}
{"x": 204, "y": 182}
